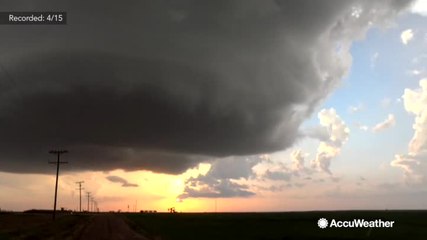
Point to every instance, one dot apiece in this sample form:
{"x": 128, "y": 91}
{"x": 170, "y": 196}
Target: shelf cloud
{"x": 164, "y": 85}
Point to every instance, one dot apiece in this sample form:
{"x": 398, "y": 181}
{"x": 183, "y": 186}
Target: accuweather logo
{"x": 322, "y": 223}
{"x": 355, "y": 223}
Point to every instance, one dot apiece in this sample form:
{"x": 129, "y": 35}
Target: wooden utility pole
{"x": 92, "y": 204}
{"x": 88, "y": 198}
{"x": 58, "y": 153}
{"x": 80, "y": 193}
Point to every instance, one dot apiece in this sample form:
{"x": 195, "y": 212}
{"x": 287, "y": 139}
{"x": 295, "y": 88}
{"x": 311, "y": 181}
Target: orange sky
{"x": 159, "y": 192}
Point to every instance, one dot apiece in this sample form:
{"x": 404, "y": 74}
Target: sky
{"x": 224, "y": 106}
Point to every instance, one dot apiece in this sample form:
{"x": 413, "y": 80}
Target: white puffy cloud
{"x": 406, "y": 36}
{"x": 415, "y": 102}
{"x": 298, "y": 158}
{"x": 338, "y": 134}
{"x": 389, "y": 122}
{"x": 284, "y": 172}
{"x": 419, "y": 7}
{"x": 338, "y": 130}
{"x": 409, "y": 163}
{"x": 413, "y": 163}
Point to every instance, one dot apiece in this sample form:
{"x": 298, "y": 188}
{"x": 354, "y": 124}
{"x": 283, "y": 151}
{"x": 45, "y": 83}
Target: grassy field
{"x": 39, "y": 226}
{"x": 269, "y": 226}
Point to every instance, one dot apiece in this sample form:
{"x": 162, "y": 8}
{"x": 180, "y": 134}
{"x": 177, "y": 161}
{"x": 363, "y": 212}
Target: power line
{"x": 58, "y": 153}
{"x": 80, "y": 193}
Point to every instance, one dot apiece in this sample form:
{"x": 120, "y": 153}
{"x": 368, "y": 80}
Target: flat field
{"x": 207, "y": 226}
{"x": 39, "y": 226}
{"x": 278, "y": 226}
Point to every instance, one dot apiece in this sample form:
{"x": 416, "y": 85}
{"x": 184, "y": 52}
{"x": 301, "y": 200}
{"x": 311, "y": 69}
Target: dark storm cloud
{"x": 163, "y": 85}
{"x": 124, "y": 182}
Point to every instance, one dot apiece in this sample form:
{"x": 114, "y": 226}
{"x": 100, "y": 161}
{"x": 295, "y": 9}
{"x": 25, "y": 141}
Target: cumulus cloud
{"x": 389, "y": 122}
{"x": 338, "y": 134}
{"x": 413, "y": 163}
{"x": 406, "y": 36}
{"x": 419, "y": 7}
{"x": 337, "y": 129}
{"x": 124, "y": 182}
{"x": 298, "y": 160}
{"x": 278, "y": 175}
{"x": 332, "y": 134}
{"x": 220, "y": 180}
{"x": 285, "y": 172}
{"x": 215, "y": 188}
{"x": 275, "y": 188}
{"x": 164, "y": 85}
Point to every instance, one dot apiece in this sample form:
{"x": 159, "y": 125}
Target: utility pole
{"x": 58, "y": 154}
{"x": 92, "y": 204}
{"x": 80, "y": 193}
{"x": 88, "y": 198}
{"x": 95, "y": 206}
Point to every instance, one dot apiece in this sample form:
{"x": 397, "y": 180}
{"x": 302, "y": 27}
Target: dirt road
{"x": 108, "y": 227}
